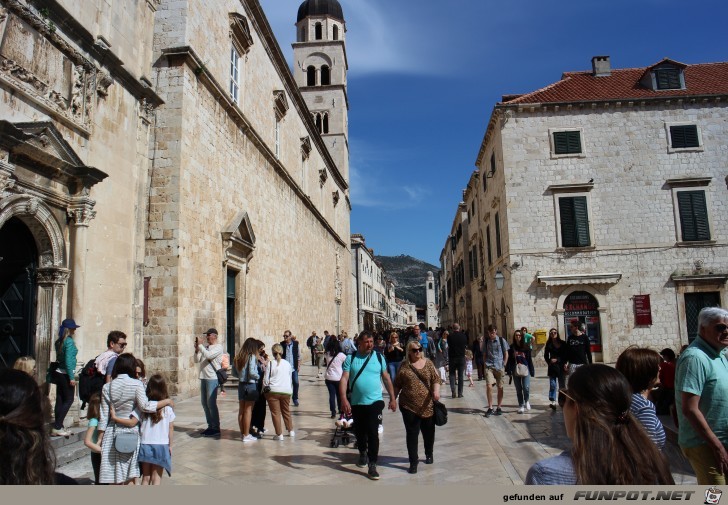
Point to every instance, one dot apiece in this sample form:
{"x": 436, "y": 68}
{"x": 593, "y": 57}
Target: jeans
{"x": 366, "y": 424}
{"x": 413, "y": 424}
{"x": 294, "y": 378}
{"x": 459, "y": 366}
{"x": 555, "y": 383}
{"x": 64, "y": 399}
{"x": 522, "y": 388}
{"x": 334, "y": 400}
{"x": 393, "y": 368}
{"x": 208, "y": 397}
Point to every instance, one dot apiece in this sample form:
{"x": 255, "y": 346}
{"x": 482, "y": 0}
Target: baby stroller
{"x": 343, "y": 432}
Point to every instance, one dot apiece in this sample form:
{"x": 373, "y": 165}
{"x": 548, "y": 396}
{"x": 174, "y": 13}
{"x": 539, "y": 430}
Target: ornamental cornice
{"x": 81, "y": 212}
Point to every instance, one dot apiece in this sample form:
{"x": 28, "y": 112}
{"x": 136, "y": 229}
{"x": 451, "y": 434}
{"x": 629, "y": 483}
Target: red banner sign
{"x": 642, "y": 310}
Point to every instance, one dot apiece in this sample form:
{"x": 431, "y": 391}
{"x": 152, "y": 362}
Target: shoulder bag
{"x": 350, "y": 386}
{"x": 439, "y": 408}
{"x": 222, "y": 375}
{"x": 124, "y": 442}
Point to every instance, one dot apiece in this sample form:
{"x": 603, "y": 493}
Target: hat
{"x": 211, "y": 330}
{"x": 70, "y": 324}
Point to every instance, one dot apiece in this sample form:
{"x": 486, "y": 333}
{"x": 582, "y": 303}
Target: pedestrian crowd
{"x": 610, "y": 413}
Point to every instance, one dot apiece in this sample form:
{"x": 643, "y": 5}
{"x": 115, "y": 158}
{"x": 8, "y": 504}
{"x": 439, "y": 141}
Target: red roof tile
{"x": 624, "y": 84}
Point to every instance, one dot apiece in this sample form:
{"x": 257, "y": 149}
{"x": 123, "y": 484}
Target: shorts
{"x": 495, "y": 377}
{"x": 248, "y": 392}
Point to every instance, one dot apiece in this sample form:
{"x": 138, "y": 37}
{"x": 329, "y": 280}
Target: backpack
{"x": 90, "y": 381}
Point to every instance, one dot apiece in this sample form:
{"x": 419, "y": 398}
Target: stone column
{"x": 80, "y": 213}
{"x": 51, "y": 282}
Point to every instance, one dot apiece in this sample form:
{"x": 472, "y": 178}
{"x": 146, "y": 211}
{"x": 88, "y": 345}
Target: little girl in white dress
{"x": 469, "y": 366}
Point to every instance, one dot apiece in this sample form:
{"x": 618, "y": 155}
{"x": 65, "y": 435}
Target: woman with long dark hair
{"x": 609, "y": 445}
{"x": 246, "y": 362}
{"x": 520, "y": 366}
{"x": 257, "y": 420}
{"x": 555, "y": 355}
{"x": 334, "y": 358}
{"x": 26, "y": 455}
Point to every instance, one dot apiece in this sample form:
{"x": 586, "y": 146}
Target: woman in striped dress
{"x": 641, "y": 366}
{"x": 125, "y": 394}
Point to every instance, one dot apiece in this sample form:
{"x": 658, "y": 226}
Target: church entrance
{"x": 18, "y": 288}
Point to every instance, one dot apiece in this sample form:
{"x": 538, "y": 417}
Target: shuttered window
{"x": 568, "y": 142}
{"x": 490, "y": 250}
{"x": 668, "y": 78}
{"x": 693, "y": 216}
{"x": 683, "y": 136}
{"x": 574, "y": 222}
{"x": 498, "y": 249}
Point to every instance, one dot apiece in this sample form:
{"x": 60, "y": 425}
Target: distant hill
{"x": 409, "y": 275}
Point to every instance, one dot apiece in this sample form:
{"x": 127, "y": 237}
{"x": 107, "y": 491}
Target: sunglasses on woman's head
{"x": 563, "y": 395}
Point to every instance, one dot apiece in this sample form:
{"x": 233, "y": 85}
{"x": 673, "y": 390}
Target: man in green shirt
{"x": 701, "y": 398}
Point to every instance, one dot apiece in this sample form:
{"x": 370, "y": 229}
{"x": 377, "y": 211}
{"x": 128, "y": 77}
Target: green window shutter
{"x": 693, "y": 216}
{"x": 574, "y": 216}
{"x": 567, "y": 142}
{"x": 490, "y": 249}
{"x": 581, "y": 217}
{"x": 684, "y": 136}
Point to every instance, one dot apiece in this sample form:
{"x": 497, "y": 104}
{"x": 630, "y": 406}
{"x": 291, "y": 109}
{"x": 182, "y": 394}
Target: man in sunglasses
{"x": 701, "y": 398}
{"x": 115, "y": 343}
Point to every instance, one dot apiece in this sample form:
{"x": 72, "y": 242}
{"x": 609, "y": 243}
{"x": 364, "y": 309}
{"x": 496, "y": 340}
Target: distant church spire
{"x": 320, "y": 69}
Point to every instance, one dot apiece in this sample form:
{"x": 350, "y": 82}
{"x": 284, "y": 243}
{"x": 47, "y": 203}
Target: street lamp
{"x": 500, "y": 279}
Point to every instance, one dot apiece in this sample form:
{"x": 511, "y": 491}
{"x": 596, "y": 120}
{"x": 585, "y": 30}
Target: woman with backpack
{"x": 63, "y": 376}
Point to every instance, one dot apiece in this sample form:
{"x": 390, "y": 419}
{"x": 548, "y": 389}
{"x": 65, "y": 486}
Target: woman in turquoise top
{"x": 63, "y": 376}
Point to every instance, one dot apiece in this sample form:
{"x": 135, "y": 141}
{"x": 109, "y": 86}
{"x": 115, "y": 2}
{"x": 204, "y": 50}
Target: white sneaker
{"x": 291, "y": 433}
{"x": 278, "y": 437}
{"x": 528, "y": 406}
{"x": 521, "y": 410}
{"x": 250, "y": 438}
{"x": 60, "y": 433}
{"x": 380, "y": 429}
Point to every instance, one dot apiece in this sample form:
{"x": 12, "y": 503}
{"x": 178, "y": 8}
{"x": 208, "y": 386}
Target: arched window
{"x": 325, "y": 75}
{"x": 326, "y": 123}
{"x": 311, "y": 76}
{"x": 319, "y": 31}
{"x": 302, "y": 36}
{"x": 318, "y": 123}
{"x": 336, "y": 32}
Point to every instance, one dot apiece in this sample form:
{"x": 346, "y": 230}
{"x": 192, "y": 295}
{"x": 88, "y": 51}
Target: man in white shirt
{"x": 210, "y": 359}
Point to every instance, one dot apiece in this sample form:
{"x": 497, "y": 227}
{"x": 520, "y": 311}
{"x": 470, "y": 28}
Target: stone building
{"x": 165, "y": 172}
{"x": 602, "y": 197}
{"x": 371, "y": 287}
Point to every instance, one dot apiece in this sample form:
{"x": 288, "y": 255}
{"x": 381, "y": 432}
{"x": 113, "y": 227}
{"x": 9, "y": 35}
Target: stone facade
{"x": 630, "y": 176}
{"x": 153, "y": 201}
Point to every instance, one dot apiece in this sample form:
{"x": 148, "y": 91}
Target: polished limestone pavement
{"x": 469, "y": 450}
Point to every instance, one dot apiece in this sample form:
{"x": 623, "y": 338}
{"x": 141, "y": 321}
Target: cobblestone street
{"x": 470, "y": 449}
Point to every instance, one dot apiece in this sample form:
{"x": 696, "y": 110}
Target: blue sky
{"x": 424, "y": 76}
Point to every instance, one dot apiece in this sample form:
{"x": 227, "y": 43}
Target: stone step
{"x": 69, "y": 449}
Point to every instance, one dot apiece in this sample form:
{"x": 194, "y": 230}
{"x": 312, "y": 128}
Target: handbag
{"x": 51, "y": 376}
{"x": 125, "y": 442}
{"x": 439, "y": 409}
{"x": 266, "y": 389}
{"x": 521, "y": 370}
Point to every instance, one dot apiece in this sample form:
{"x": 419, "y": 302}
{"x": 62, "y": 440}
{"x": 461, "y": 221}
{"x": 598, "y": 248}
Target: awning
{"x": 608, "y": 279}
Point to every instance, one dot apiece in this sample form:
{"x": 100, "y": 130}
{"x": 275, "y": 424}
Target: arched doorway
{"x": 18, "y": 291}
{"x": 584, "y": 307}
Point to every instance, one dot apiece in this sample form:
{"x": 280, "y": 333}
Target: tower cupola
{"x": 331, "y": 8}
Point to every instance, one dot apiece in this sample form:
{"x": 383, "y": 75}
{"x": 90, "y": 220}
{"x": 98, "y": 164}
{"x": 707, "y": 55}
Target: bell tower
{"x": 320, "y": 69}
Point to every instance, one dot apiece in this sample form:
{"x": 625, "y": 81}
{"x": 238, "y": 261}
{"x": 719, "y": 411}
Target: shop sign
{"x": 642, "y": 310}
